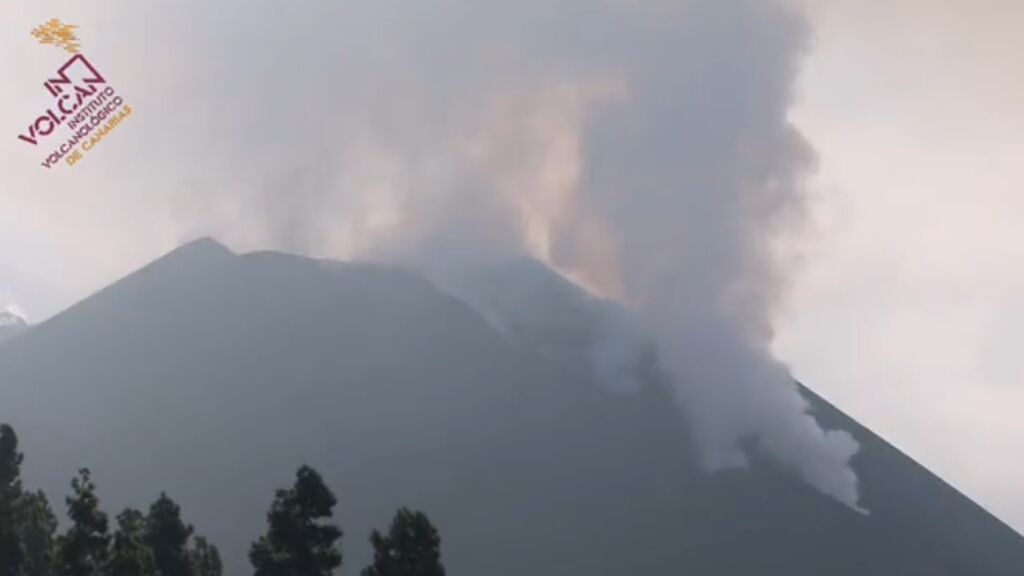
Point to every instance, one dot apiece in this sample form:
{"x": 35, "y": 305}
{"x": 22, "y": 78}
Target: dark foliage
{"x": 298, "y": 541}
{"x": 412, "y": 547}
{"x": 167, "y": 536}
{"x": 37, "y": 527}
{"x": 130, "y": 555}
{"x": 83, "y": 550}
{"x": 12, "y": 555}
{"x": 204, "y": 558}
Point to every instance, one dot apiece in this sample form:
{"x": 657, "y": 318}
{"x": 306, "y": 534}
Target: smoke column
{"x": 641, "y": 147}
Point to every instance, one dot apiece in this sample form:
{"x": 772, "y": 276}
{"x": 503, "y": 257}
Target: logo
{"x": 58, "y": 33}
{"x": 85, "y": 108}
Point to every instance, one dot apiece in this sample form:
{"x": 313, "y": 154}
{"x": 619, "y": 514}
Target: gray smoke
{"x": 641, "y": 147}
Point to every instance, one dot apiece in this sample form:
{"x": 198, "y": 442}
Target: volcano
{"x": 212, "y": 376}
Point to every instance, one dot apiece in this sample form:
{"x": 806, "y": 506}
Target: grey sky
{"x": 910, "y": 310}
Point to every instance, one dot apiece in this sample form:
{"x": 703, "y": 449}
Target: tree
{"x": 167, "y": 536}
{"x": 82, "y": 551}
{"x": 12, "y": 556}
{"x": 204, "y": 558}
{"x": 130, "y": 555}
{"x": 37, "y": 526}
{"x": 298, "y": 542}
{"x": 412, "y": 547}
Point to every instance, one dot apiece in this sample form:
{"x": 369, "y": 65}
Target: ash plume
{"x": 640, "y": 147}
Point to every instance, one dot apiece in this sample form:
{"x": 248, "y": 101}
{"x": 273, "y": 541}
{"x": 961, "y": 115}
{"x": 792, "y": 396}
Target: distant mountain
{"x": 10, "y": 325}
{"x": 212, "y": 376}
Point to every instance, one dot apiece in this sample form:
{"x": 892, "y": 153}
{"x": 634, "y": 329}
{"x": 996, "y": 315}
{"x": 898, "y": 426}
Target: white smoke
{"x": 11, "y": 315}
{"x": 641, "y": 147}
